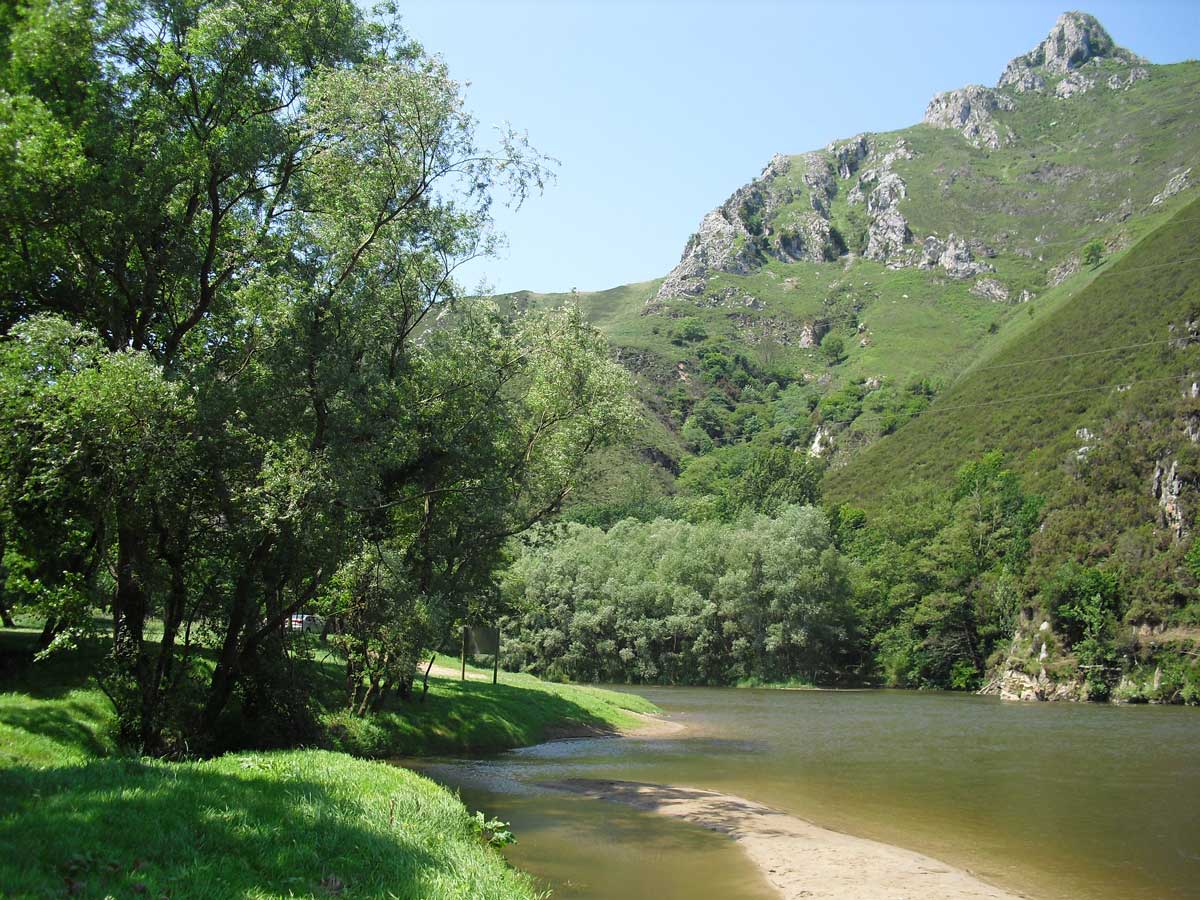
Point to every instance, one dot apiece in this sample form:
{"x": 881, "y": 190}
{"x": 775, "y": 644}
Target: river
{"x": 1057, "y": 801}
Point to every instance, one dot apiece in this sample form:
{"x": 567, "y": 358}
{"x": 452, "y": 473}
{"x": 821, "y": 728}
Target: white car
{"x": 306, "y": 624}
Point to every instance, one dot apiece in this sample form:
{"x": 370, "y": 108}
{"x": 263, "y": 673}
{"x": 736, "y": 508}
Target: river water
{"x": 1057, "y": 801}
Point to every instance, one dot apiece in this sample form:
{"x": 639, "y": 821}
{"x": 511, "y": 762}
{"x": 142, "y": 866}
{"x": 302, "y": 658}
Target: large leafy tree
{"x": 247, "y": 218}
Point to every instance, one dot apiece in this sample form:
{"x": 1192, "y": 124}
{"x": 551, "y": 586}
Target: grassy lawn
{"x": 77, "y": 819}
{"x": 476, "y": 716}
{"x": 289, "y": 824}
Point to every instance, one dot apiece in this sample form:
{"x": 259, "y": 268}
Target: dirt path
{"x": 448, "y": 672}
{"x": 799, "y": 859}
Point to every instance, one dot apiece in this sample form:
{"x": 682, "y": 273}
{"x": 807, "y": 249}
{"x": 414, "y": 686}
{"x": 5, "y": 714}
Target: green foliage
{"x": 689, "y": 331}
{"x": 938, "y": 588}
{"x": 833, "y": 349}
{"x": 673, "y": 602}
{"x": 1092, "y": 254}
{"x": 228, "y": 392}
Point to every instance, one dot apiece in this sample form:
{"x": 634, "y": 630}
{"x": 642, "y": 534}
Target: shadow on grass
{"x": 126, "y": 828}
{"x": 466, "y": 717}
{"x": 50, "y": 678}
{"x": 68, "y": 723}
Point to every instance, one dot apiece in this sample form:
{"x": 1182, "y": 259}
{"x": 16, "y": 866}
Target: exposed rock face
{"x": 742, "y": 232}
{"x": 1167, "y": 487}
{"x": 888, "y": 231}
{"x": 990, "y": 289}
{"x": 1022, "y": 80}
{"x": 1016, "y": 684}
{"x": 818, "y": 178}
{"x": 1178, "y": 182}
{"x": 887, "y": 235}
{"x": 811, "y": 334}
{"x": 1074, "y": 83}
{"x": 1136, "y": 74}
{"x": 1075, "y": 39}
{"x": 969, "y": 110}
{"x": 721, "y": 244}
{"x": 822, "y": 442}
{"x": 955, "y": 256}
{"x": 848, "y": 155}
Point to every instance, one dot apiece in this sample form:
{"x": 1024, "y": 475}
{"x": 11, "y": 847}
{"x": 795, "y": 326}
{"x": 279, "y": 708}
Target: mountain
{"x": 861, "y": 280}
{"x": 982, "y": 332}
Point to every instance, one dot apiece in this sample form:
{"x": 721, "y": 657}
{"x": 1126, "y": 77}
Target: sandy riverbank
{"x": 799, "y": 859}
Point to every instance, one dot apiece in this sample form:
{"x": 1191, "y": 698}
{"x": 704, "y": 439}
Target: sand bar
{"x": 800, "y": 859}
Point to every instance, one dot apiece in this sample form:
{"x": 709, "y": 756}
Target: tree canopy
{"x": 238, "y": 379}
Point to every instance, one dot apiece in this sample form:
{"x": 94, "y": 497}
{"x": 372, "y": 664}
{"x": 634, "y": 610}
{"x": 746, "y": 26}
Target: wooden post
{"x": 425, "y": 684}
{"x": 496, "y": 659}
{"x": 466, "y": 631}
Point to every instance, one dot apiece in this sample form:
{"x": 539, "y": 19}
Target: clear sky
{"x": 658, "y": 111}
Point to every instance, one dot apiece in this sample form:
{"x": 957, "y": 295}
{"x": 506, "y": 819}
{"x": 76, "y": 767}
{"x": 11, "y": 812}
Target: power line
{"x": 1102, "y": 387}
{"x": 1080, "y": 241}
{"x": 1029, "y": 362}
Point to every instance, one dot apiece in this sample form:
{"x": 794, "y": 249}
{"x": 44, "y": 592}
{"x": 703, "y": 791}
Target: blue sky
{"x": 658, "y": 111}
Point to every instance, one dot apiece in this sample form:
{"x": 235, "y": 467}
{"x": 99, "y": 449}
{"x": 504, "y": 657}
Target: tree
{"x": 1093, "y": 253}
{"x": 247, "y": 220}
{"x": 833, "y": 348}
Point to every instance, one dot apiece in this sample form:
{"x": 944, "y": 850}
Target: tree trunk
{"x": 496, "y": 659}
{"x": 465, "y": 632}
{"x": 136, "y": 726}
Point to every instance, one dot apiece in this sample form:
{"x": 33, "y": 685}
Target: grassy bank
{"x": 296, "y": 823}
{"x": 476, "y": 716}
{"x": 76, "y": 818}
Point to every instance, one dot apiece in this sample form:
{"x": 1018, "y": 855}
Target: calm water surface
{"x": 1059, "y": 801}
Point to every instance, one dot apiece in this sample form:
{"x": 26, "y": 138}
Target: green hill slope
{"x": 1107, "y": 346}
{"x": 984, "y": 330}
{"x": 828, "y": 300}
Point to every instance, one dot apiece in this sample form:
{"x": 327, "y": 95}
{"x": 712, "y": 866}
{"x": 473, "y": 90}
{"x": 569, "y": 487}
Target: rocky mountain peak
{"x": 1075, "y": 39}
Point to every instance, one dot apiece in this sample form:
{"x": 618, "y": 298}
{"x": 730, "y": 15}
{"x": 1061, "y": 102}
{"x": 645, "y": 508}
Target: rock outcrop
{"x": 1017, "y": 684}
{"x": 970, "y": 110}
{"x": 1074, "y": 83}
{"x": 742, "y": 232}
{"x": 822, "y": 442}
{"x": 990, "y": 289}
{"x": 1167, "y": 487}
{"x": 1075, "y": 39}
{"x": 811, "y": 334}
{"x": 848, "y": 155}
{"x": 1178, "y": 182}
{"x": 888, "y": 231}
{"x": 954, "y": 255}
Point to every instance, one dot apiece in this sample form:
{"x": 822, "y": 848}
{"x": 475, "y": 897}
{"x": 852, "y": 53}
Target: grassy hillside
{"x": 1050, "y": 373}
{"x": 1072, "y": 170}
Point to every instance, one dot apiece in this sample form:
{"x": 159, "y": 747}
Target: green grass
{"x": 1131, "y": 299}
{"x": 288, "y": 824}
{"x": 472, "y": 717}
{"x": 52, "y": 712}
{"x": 78, "y": 819}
